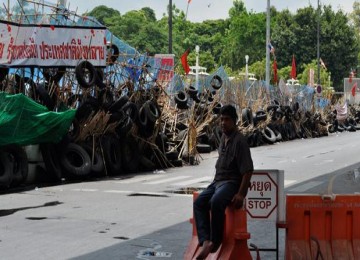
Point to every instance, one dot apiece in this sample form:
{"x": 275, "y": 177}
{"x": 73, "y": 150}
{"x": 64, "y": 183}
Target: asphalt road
{"x": 146, "y": 216}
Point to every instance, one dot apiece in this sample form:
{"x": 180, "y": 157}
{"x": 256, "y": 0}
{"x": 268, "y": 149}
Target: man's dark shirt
{"x": 234, "y": 158}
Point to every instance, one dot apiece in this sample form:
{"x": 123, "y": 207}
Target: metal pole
{"x": 197, "y": 49}
{"x": 267, "y": 75}
{"x": 246, "y": 67}
{"x": 8, "y": 9}
{"x": 170, "y": 26}
{"x": 318, "y": 43}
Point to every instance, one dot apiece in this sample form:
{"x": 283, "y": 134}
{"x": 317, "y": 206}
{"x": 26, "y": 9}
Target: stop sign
{"x": 262, "y": 197}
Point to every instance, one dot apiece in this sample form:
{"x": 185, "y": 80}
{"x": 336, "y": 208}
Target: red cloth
{"x": 275, "y": 72}
{"x": 184, "y": 61}
{"x": 293, "y": 68}
{"x": 353, "y": 90}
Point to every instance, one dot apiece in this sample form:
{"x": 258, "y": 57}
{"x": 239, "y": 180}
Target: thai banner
{"x": 51, "y": 45}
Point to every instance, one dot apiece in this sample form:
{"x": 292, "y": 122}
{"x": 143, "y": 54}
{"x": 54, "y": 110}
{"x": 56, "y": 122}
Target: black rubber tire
{"x": 260, "y": 115}
{"x": 97, "y": 165}
{"x": 331, "y": 128}
{"x": 192, "y": 92}
{"x": 146, "y": 164}
{"x": 177, "y": 163}
{"x": 131, "y": 110}
{"x": 51, "y": 158}
{"x": 130, "y": 154}
{"x": 85, "y": 74}
{"x": 124, "y": 126}
{"x": 3, "y": 73}
{"x": 272, "y": 108}
{"x": 268, "y": 135}
{"x": 90, "y": 105}
{"x": 119, "y": 104}
{"x": 99, "y": 80}
{"x": 152, "y": 111}
{"x": 6, "y": 170}
{"x": 54, "y": 74}
{"x": 203, "y": 148}
{"x": 216, "y": 82}
{"x": 247, "y": 117}
{"x": 143, "y": 119}
{"x": 75, "y": 161}
{"x": 172, "y": 155}
{"x": 181, "y": 99}
{"x": 44, "y": 97}
{"x": 105, "y": 98}
{"x": 114, "y": 54}
{"x": 20, "y": 163}
{"x": 161, "y": 142}
{"x": 216, "y": 108}
{"x": 112, "y": 154}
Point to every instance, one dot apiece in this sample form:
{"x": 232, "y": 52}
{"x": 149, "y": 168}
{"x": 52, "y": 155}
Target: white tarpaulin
{"x": 341, "y": 111}
{"x": 51, "y": 45}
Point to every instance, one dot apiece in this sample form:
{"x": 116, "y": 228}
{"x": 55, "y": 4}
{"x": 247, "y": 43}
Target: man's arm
{"x": 238, "y": 199}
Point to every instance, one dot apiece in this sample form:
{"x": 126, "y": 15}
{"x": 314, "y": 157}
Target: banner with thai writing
{"x": 51, "y": 45}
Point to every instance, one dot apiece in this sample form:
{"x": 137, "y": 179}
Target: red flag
{"x": 293, "y": 68}
{"x": 184, "y": 61}
{"x": 353, "y": 90}
{"x": 275, "y": 72}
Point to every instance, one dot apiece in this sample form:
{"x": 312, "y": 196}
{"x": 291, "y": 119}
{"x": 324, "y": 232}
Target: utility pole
{"x": 170, "y": 26}
{"x": 318, "y": 43}
{"x": 267, "y": 75}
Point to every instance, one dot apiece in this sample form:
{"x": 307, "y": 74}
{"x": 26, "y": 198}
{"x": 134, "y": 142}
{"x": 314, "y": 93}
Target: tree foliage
{"x": 226, "y": 42}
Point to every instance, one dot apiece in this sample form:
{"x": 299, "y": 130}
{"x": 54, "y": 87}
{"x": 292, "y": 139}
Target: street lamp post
{"x": 197, "y": 49}
{"x": 267, "y": 72}
{"x": 246, "y": 68}
{"x": 318, "y": 43}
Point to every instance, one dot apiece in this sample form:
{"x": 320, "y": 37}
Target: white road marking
{"x": 306, "y": 186}
{"x": 85, "y": 190}
{"x": 287, "y": 183}
{"x": 196, "y": 180}
{"x": 168, "y": 180}
{"x": 118, "y": 191}
{"x": 139, "y": 179}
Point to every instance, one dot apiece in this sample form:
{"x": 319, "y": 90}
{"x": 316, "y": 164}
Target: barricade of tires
{"x": 284, "y": 123}
{"x": 135, "y": 130}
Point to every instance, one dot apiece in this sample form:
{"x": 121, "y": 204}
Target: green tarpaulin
{"x": 25, "y": 122}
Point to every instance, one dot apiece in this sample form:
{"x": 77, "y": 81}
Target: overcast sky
{"x": 199, "y": 10}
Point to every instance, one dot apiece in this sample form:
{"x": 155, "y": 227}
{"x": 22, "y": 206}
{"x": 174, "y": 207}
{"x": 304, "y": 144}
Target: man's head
{"x": 228, "y": 118}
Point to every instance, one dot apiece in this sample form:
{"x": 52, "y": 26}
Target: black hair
{"x": 229, "y": 110}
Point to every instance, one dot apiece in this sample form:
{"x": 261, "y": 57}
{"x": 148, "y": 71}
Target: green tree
{"x": 297, "y": 34}
{"x": 304, "y": 76}
{"x": 245, "y": 36}
{"x": 101, "y": 12}
{"x": 149, "y": 14}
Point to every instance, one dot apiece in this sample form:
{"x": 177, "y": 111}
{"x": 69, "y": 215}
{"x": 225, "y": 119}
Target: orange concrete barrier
{"x": 234, "y": 245}
{"x": 323, "y": 227}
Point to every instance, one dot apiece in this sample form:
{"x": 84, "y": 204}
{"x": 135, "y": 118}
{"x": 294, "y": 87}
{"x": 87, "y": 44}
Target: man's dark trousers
{"x": 214, "y": 199}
